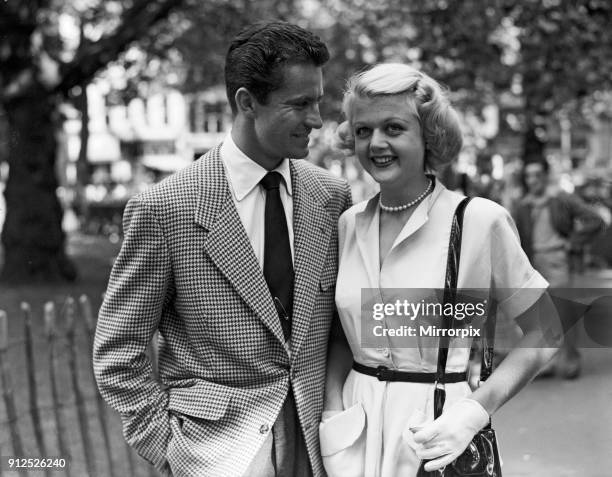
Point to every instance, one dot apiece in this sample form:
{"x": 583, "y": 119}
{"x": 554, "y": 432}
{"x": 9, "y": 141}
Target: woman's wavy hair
{"x": 438, "y": 119}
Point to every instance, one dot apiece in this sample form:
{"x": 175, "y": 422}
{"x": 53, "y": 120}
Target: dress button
{"x": 385, "y": 352}
{"x": 264, "y": 429}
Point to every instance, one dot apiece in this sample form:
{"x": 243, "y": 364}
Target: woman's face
{"x": 388, "y": 140}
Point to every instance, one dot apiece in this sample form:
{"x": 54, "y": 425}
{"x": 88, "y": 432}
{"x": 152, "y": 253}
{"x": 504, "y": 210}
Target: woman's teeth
{"x": 382, "y": 160}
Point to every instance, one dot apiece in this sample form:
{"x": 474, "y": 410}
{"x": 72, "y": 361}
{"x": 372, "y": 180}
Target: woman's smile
{"x": 383, "y": 161}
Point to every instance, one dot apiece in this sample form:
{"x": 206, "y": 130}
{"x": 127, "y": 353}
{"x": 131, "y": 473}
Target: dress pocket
{"x": 343, "y": 442}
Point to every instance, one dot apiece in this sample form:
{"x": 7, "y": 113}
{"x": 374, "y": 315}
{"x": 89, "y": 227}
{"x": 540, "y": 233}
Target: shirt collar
{"x": 244, "y": 174}
{"x": 438, "y": 188}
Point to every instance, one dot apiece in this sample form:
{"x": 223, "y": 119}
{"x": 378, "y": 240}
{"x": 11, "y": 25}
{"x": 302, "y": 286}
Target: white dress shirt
{"x": 243, "y": 175}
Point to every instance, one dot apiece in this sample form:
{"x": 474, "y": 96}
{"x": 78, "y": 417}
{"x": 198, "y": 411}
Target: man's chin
{"x": 299, "y": 153}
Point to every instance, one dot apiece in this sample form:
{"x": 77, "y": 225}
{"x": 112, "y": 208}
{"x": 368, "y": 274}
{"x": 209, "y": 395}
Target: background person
{"x": 551, "y": 223}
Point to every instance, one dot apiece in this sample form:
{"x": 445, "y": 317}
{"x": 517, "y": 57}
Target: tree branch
{"x": 92, "y": 57}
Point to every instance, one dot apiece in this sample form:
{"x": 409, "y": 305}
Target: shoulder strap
{"x": 488, "y": 342}
{"x": 450, "y": 295}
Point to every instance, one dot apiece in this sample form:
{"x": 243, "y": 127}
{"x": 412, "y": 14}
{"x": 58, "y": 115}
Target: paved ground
{"x": 558, "y": 428}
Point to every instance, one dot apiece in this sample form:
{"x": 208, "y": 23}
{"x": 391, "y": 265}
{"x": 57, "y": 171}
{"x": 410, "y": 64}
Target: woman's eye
{"x": 362, "y": 132}
{"x": 394, "y": 128}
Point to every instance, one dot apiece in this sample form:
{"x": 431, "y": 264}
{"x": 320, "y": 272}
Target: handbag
{"x": 481, "y": 457}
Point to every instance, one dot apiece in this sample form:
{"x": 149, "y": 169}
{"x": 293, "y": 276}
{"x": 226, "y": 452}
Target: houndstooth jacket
{"x": 187, "y": 268}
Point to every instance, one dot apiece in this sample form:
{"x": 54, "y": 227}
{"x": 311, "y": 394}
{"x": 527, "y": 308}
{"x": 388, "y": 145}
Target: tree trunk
{"x": 83, "y": 176}
{"x": 536, "y": 94}
{"x": 533, "y": 146}
{"x": 33, "y": 239}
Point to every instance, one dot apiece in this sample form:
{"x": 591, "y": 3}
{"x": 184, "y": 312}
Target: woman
{"x": 402, "y": 127}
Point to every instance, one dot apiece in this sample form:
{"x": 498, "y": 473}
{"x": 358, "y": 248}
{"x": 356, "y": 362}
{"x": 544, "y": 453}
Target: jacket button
{"x": 264, "y": 429}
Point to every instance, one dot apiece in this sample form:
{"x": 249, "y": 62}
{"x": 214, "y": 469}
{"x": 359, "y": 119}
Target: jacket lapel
{"x": 312, "y": 230}
{"x": 227, "y": 243}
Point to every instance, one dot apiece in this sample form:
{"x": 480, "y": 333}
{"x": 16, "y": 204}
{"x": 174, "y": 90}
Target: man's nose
{"x": 313, "y": 118}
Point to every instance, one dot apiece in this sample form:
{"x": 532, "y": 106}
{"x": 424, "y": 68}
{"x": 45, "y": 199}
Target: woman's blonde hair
{"x": 439, "y": 121}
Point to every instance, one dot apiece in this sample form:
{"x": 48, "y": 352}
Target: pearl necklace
{"x": 412, "y": 203}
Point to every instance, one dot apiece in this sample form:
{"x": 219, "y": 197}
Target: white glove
{"x": 448, "y": 436}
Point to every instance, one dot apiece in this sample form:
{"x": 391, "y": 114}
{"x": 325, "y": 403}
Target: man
{"x": 549, "y": 224}
{"x": 235, "y": 267}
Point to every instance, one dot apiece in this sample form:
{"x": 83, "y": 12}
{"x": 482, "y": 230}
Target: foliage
{"x": 548, "y": 55}
{"x": 188, "y": 50}
{"x": 39, "y": 65}
{"x": 33, "y": 52}
{"x": 538, "y": 58}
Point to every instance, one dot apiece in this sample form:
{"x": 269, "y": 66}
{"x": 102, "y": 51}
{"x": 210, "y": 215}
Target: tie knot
{"x": 271, "y": 180}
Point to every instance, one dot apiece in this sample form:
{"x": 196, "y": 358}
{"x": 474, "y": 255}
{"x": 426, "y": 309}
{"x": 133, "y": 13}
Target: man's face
{"x": 282, "y": 125}
{"x": 535, "y": 179}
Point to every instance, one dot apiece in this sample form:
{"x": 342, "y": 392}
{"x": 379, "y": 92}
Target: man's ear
{"x": 245, "y": 102}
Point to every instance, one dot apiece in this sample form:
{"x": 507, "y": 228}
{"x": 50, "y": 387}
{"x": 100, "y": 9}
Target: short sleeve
{"x": 516, "y": 284}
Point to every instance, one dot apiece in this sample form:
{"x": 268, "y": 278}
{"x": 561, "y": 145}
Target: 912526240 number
{"x": 33, "y": 463}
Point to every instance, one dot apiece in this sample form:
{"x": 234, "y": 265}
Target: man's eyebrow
{"x": 305, "y": 97}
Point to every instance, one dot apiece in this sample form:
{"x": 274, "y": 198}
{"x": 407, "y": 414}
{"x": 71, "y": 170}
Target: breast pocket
{"x": 327, "y": 282}
{"x": 328, "y": 279}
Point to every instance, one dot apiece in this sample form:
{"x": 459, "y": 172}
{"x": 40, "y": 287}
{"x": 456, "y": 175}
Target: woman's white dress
{"x": 370, "y": 438}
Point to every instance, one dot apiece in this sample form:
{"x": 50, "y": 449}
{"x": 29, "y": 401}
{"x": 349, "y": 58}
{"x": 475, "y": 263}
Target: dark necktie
{"x": 278, "y": 266}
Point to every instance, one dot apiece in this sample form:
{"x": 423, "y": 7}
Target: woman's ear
{"x": 245, "y": 102}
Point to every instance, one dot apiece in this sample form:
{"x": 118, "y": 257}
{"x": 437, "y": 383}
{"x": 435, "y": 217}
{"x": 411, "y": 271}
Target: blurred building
{"x": 208, "y": 120}
{"x": 130, "y": 146}
{"x": 577, "y": 142}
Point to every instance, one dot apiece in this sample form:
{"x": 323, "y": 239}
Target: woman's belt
{"x": 385, "y": 374}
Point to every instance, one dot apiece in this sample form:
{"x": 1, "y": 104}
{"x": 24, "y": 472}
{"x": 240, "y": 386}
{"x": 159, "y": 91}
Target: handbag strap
{"x": 488, "y": 343}
{"x": 450, "y": 295}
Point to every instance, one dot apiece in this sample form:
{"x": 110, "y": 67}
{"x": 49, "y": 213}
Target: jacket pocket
{"x": 194, "y": 415}
{"x": 328, "y": 278}
{"x": 203, "y": 400}
{"x": 342, "y": 440}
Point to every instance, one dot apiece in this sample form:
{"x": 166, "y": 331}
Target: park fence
{"x": 52, "y": 407}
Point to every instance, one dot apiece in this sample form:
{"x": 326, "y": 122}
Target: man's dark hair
{"x": 256, "y": 54}
{"x": 541, "y": 161}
